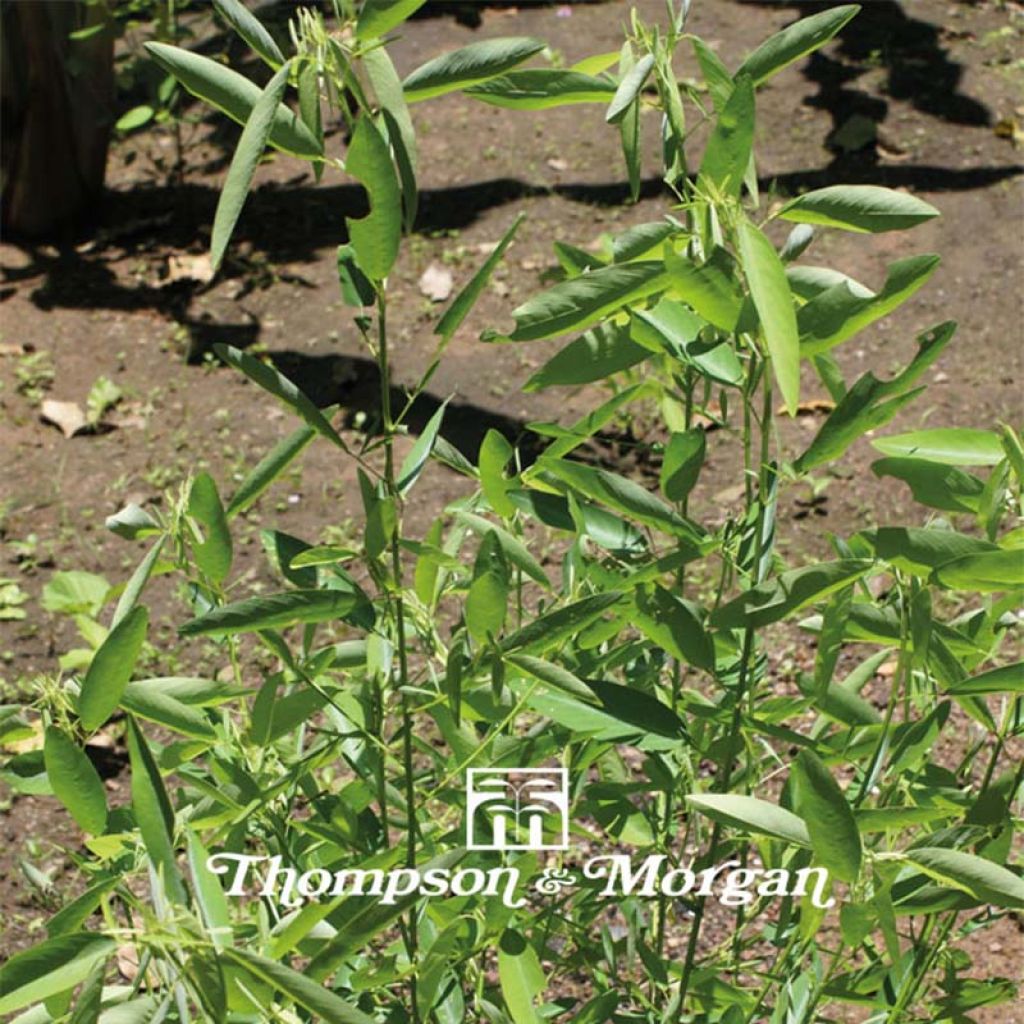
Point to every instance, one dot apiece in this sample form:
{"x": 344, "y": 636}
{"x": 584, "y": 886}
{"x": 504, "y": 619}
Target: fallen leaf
{"x": 436, "y": 283}
{"x": 68, "y": 416}
{"x": 812, "y": 407}
{"x": 558, "y": 164}
{"x": 7, "y": 349}
{"x": 1010, "y": 128}
{"x": 187, "y": 267}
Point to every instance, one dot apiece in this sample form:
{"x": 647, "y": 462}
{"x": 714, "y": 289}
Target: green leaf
{"x": 457, "y": 312}
{"x": 711, "y": 288}
{"x": 769, "y": 289}
{"x": 551, "y": 628}
{"x": 521, "y": 978}
{"x": 842, "y": 310}
{"x": 863, "y": 208}
{"x": 919, "y": 551}
{"x": 300, "y": 989}
{"x": 629, "y": 128}
{"x": 75, "y": 592}
{"x": 275, "y": 611}
{"x": 1008, "y": 679}
{"x": 487, "y": 600}
{"x": 515, "y": 551}
{"x": 638, "y": 709}
{"x": 111, "y": 668}
{"x": 235, "y": 95}
{"x": 835, "y": 837}
{"x": 984, "y": 571}
{"x": 495, "y": 454}
{"x": 750, "y": 814}
{"x": 251, "y": 29}
{"x": 684, "y": 458}
{"x": 469, "y": 66}
{"x": 795, "y": 41}
{"x": 951, "y": 447}
{"x": 75, "y": 782}
{"x": 132, "y": 523}
{"x": 542, "y": 89}
{"x": 988, "y": 882}
{"x": 153, "y": 812}
{"x": 603, "y": 528}
{"x": 378, "y": 17}
{"x": 582, "y": 301}
{"x": 376, "y": 236}
{"x": 727, "y": 155}
{"x": 674, "y": 625}
{"x": 629, "y": 89}
{"x": 777, "y": 598}
{"x": 554, "y": 675}
{"x": 642, "y": 240}
{"x": 137, "y": 582}
{"x": 604, "y": 350}
{"x": 932, "y": 484}
{"x": 54, "y": 966}
{"x": 213, "y": 904}
{"x": 155, "y": 705}
{"x": 418, "y": 455}
{"x": 716, "y": 74}
{"x": 285, "y": 391}
{"x": 134, "y": 118}
{"x": 213, "y": 554}
{"x": 189, "y": 689}
{"x": 269, "y": 469}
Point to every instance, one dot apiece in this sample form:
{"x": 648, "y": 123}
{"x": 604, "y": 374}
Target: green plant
{"x": 645, "y": 669}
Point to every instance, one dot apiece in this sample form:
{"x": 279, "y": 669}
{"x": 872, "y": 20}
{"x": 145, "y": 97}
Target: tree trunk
{"x": 56, "y": 104}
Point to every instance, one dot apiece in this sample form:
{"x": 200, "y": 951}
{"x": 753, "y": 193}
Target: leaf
{"x": 542, "y": 89}
{"x": 54, "y": 966}
{"x": 515, "y": 551}
{"x": 251, "y": 29}
{"x": 551, "y": 628}
{"x": 604, "y": 350}
{"x": 276, "y": 384}
{"x": 932, "y": 484}
{"x": 750, "y": 814}
{"x": 629, "y": 129}
{"x": 467, "y": 298}
{"x": 304, "y": 991}
{"x": 728, "y": 151}
{"x": 189, "y": 689}
{"x": 638, "y": 709}
{"x": 578, "y": 303}
{"x": 164, "y": 709}
{"x": 603, "y": 528}
{"x": 68, "y": 416}
{"x": 235, "y": 95}
{"x": 769, "y": 289}
{"x": 629, "y": 89}
{"x": 276, "y": 611}
{"x": 777, "y": 598}
{"x": 862, "y": 208}
{"x": 710, "y": 288}
{"x": 472, "y": 64}
{"x": 988, "y": 882}
{"x": 674, "y": 625}
{"x": 554, "y": 675}
{"x": 378, "y": 17}
{"x": 795, "y": 41}
{"x": 684, "y": 458}
{"x": 134, "y": 118}
{"x": 210, "y": 896}
{"x": 376, "y": 236}
{"x": 951, "y": 447}
{"x": 418, "y": 455}
{"x": 641, "y": 240}
{"x": 520, "y": 976}
{"x": 487, "y": 598}
{"x": 269, "y": 469}
{"x": 153, "y": 812}
{"x": 111, "y": 668}
{"x": 213, "y": 554}
{"x": 137, "y": 582}
{"x": 835, "y": 837}
{"x": 1008, "y": 679}
{"x": 132, "y": 523}
{"x": 494, "y": 455}
{"x": 919, "y": 551}
{"x": 75, "y": 782}
{"x": 435, "y": 283}
{"x": 984, "y": 571}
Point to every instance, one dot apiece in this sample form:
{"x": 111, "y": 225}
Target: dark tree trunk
{"x": 56, "y": 101}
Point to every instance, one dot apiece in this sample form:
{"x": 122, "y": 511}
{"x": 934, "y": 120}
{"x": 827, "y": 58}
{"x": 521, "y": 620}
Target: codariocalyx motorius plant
{"x": 643, "y": 673}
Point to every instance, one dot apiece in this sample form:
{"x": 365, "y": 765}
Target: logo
{"x": 517, "y": 809}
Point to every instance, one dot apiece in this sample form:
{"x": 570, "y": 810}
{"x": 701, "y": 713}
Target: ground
{"x": 923, "y": 95}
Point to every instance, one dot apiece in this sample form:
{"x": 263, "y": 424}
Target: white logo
{"x": 517, "y": 809}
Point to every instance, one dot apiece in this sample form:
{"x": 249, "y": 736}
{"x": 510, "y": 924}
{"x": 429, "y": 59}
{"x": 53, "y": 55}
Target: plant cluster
{"x": 397, "y": 664}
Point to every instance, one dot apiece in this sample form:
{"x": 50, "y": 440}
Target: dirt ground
{"x": 923, "y": 95}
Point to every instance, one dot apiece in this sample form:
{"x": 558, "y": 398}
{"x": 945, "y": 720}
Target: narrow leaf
{"x": 275, "y": 611}
{"x": 75, "y": 781}
{"x": 864, "y": 208}
{"x": 835, "y": 837}
{"x": 470, "y": 65}
{"x": 750, "y": 814}
{"x": 111, "y": 668}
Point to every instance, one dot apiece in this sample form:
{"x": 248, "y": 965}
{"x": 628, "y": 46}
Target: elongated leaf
{"x": 984, "y": 571}
{"x": 950, "y": 446}
{"x": 376, "y": 236}
{"x": 629, "y": 89}
{"x": 467, "y": 298}
{"x": 269, "y": 469}
{"x": 641, "y": 240}
{"x": 495, "y": 454}
{"x": 587, "y": 426}
{"x": 728, "y": 150}
{"x": 213, "y": 904}
{"x": 515, "y": 551}
{"x": 111, "y": 668}
{"x": 675, "y": 626}
{"x": 919, "y": 551}
{"x": 213, "y": 554}
{"x": 521, "y": 978}
{"x": 275, "y": 611}
{"x": 769, "y": 289}
{"x": 189, "y": 689}
{"x": 835, "y": 837}
{"x": 684, "y": 457}
{"x": 603, "y": 528}
{"x": 934, "y": 485}
{"x": 162, "y": 707}
{"x": 251, "y": 29}
{"x": 417, "y": 458}
{"x": 53, "y": 966}
{"x": 774, "y": 600}
{"x": 750, "y": 814}
{"x": 604, "y": 350}
{"x": 710, "y": 288}
{"x": 551, "y": 628}
{"x": 542, "y": 89}
{"x": 469, "y": 66}
{"x": 378, "y": 17}
{"x": 553, "y": 675}
{"x": 629, "y": 128}
{"x": 638, "y": 709}
{"x": 863, "y": 208}
{"x": 282, "y": 389}
{"x": 137, "y": 582}
{"x": 989, "y": 882}
{"x": 795, "y": 41}
{"x": 580, "y": 302}
{"x": 882, "y": 819}
{"x": 75, "y": 781}
{"x": 235, "y": 95}
{"x": 300, "y": 989}
{"x": 1008, "y": 679}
